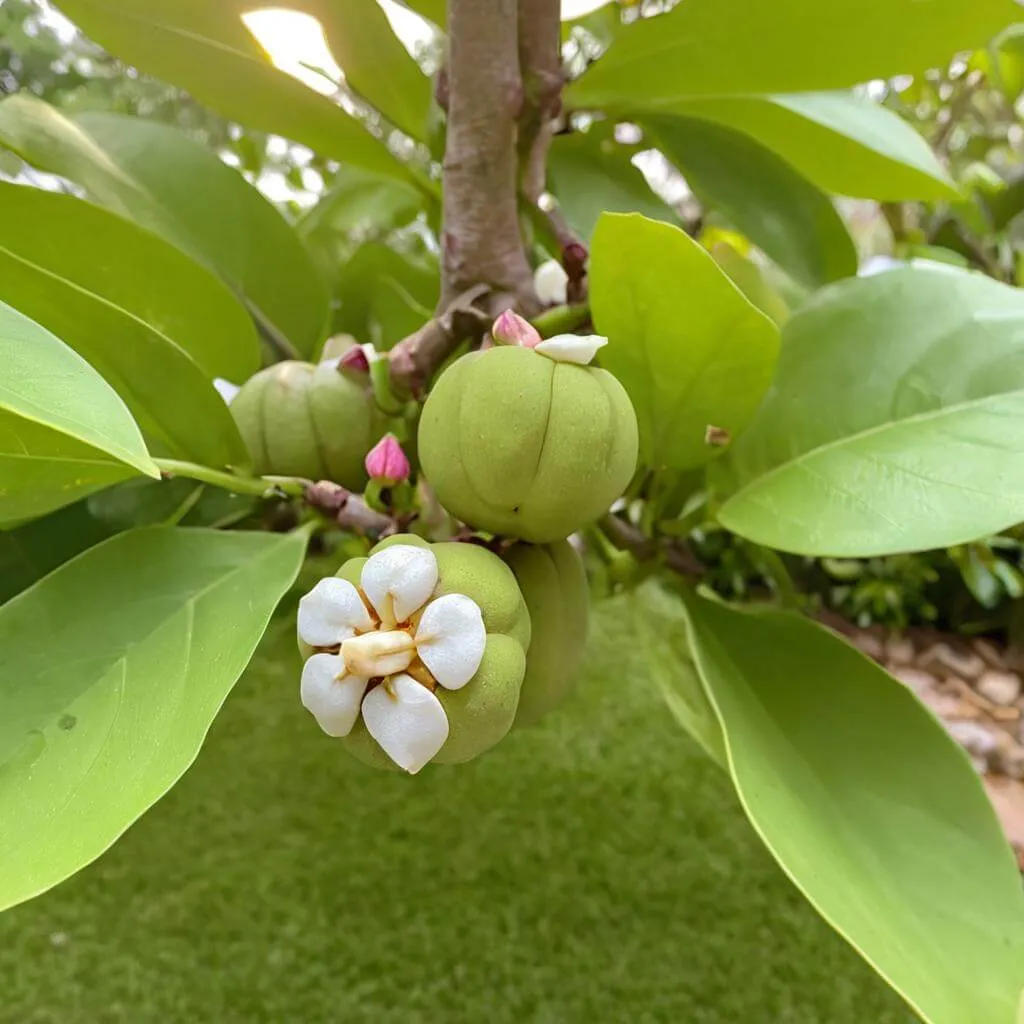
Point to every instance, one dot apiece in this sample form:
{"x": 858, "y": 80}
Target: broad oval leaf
{"x": 84, "y": 273}
{"x": 843, "y": 143}
{"x": 114, "y": 667}
{"x": 136, "y": 271}
{"x": 166, "y": 182}
{"x": 31, "y": 550}
{"x": 205, "y": 48}
{"x": 688, "y": 346}
{"x": 762, "y": 196}
{"x": 375, "y": 63}
{"x": 709, "y": 48}
{"x": 896, "y": 422}
{"x": 63, "y": 430}
{"x": 590, "y": 175}
{"x": 869, "y": 807}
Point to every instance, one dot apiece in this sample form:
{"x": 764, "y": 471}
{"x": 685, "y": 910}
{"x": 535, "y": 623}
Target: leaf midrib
{"x": 879, "y": 428}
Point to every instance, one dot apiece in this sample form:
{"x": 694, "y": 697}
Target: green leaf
{"x": 63, "y": 431}
{"x": 30, "y": 551}
{"x": 844, "y": 143}
{"x": 384, "y": 295}
{"x": 896, "y": 422}
{"x": 206, "y": 49}
{"x": 359, "y": 202}
{"x": 590, "y": 175}
{"x": 762, "y": 196}
{"x": 433, "y": 10}
{"x": 750, "y": 279}
{"x": 166, "y": 182}
{"x": 707, "y": 48}
{"x": 687, "y": 345}
{"x": 375, "y": 63}
{"x": 111, "y": 291}
{"x": 135, "y": 271}
{"x": 157, "y": 625}
{"x": 871, "y": 809}
{"x": 659, "y": 621}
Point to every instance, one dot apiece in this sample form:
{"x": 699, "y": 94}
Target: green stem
{"x": 261, "y": 486}
{"x": 383, "y": 395}
{"x": 561, "y": 320}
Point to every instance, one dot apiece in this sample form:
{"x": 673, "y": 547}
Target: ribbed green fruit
{"x": 517, "y": 444}
{"x": 554, "y": 586}
{"x": 310, "y": 421}
{"x": 481, "y": 713}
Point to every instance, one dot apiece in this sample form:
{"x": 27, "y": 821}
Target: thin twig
{"x": 415, "y": 359}
{"x": 674, "y": 554}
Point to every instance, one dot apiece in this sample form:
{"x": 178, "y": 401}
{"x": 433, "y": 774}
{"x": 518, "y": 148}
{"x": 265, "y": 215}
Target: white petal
{"x": 331, "y": 696}
{"x": 572, "y": 348}
{"x": 398, "y": 580}
{"x": 549, "y": 281}
{"x": 407, "y": 720}
{"x": 450, "y": 639}
{"x": 331, "y": 612}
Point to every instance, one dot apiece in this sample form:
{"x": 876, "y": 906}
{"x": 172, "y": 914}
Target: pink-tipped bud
{"x": 386, "y": 462}
{"x": 511, "y": 329}
{"x": 354, "y": 362}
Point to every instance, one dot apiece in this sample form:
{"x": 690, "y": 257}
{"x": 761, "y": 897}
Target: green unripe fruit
{"x": 554, "y": 586}
{"x": 516, "y": 443}
{"x": 310, "y": 421}
{"x": 480, "y": 713}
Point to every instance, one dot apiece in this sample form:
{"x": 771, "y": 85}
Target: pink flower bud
{"x": 386, "y": 462}
{"x": 354, "y": 362}
{"x": 511, "y": 329}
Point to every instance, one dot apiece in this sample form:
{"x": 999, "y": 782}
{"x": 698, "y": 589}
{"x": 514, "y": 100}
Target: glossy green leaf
{"x": 358, "y": 203}
{"x": 134, "y": 270}
{"x": 375, "y": 63}
{"x": 29, "y": 551}
{"x": 707, "y": 48}
{"x": 590, "y": 176}
{"x": 166, "y": 182}
{"x": 687, "y": 345}
{"x": 870, "y": 808}
{"x": 206, "y": 48}
{"x": 435, "y": 11}
{"x": 843, "y": 143}
{"x": 762, "y": 196}
{"x": 113, "y": 292}
{"x": 64, "y": 432}
{"x": 896, "y": 422}
{"x": 659, "y": 621}
{"x": 114, "y": 667}
{"x": 750, "y": 279}
{"x": 384, "y": 295}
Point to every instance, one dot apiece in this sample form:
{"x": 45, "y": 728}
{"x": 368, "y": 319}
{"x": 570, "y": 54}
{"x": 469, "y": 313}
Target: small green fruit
{"x": 516, "y": 443}
{"x": 482, "y": 711}
{"x": 310, "y": 421}
{"x": 554, "y": 586}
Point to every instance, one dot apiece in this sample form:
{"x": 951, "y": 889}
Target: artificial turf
{"x": 594, "y": 869}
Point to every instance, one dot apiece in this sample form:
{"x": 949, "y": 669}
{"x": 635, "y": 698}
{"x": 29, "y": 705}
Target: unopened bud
{"x": 511, "y": 329}
{"x": 386, "y": 462}
{"x": 354, "y": 363}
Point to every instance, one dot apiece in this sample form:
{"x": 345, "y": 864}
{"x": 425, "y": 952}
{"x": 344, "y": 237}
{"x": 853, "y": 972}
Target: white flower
{"x": 571, "y": 348}
{"x": 384, "y": 647}
{"x": 550, "y": 281}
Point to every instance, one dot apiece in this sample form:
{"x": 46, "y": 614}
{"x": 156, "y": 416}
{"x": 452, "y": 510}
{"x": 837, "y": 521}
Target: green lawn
{"x": 596, "y": 869}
